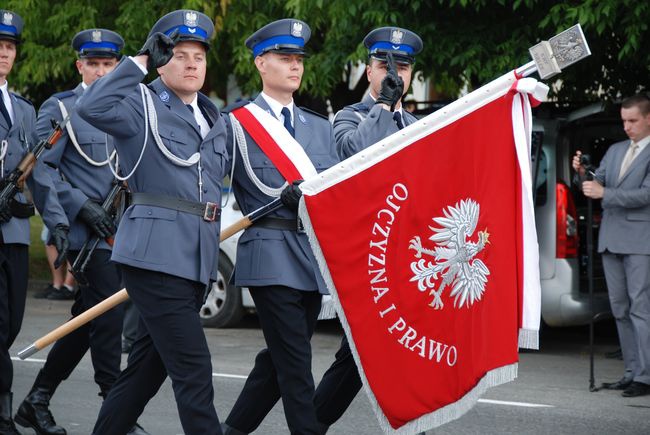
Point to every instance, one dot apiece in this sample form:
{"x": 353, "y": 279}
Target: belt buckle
{"x": 300, "y": 228}
{"x": 211, "y": 212}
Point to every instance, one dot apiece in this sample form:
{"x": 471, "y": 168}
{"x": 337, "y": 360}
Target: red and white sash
{"x": 276, "y": 142}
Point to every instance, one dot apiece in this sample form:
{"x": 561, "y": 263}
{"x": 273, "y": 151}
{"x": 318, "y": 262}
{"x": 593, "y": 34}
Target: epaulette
{"x": 236, "y": 105}
{"x": 23, "y": 98}
{"x": 64, "y": 94}
{"x": 320, "y": 115}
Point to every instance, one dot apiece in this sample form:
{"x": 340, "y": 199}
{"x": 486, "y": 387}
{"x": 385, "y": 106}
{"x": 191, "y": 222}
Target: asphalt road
{"x": 550, "y": 396}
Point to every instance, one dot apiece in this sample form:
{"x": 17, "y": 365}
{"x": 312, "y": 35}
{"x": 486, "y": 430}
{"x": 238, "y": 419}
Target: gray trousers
{"x": 628, "y": 283}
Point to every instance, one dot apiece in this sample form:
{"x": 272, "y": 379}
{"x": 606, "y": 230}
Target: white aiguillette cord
{"x": 151, "y": 122}
{"x": 73, "y": 139}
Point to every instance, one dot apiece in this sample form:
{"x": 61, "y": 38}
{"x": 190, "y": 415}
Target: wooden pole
{"x": 122, "y": 295}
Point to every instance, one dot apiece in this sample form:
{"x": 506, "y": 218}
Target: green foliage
{"x": 467, "y": 42}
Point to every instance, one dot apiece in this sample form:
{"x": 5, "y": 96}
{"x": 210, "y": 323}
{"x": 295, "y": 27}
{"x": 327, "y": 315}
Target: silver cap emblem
{"x": 191, "y": 19}
{"x": 296, "y": 29}
{"x": 97, "y": 36}
{"x": 7, "y": 18}
{"x": 396, "y": 36}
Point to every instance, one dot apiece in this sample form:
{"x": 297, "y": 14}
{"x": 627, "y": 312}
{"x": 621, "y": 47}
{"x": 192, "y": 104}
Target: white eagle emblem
{"x": 454, "y": 257}
{"x": 396, "y": 36}
{"x": 7, "y": 18}
{"x": 191, "y": 19}
{"x": 296, "y": 29}
{"x": 97, "y": 36}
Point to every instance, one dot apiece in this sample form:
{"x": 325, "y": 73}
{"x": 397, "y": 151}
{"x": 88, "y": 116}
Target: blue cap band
{"x": 383, "y": 45}
{"x": 10, "y": 29}
{"x": 277, "y": 40}
{"x": 103, "y": 44}
{"x": 189, "y": 31}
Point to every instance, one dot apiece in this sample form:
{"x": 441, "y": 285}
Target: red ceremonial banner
{"x": 423, "y": 252}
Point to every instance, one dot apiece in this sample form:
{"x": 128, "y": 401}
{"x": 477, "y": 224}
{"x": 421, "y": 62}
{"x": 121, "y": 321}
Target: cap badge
{"x": 191, "y": 19}
{"x": 97, "y": 36}
{"x": 396, "y": 36}
{"x": 296, "y": 29}
{"x": 164, "y": 97}
{"x": 7, "y": 18}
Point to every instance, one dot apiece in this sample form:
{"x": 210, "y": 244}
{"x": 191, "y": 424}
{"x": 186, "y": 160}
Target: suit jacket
{"x": 21, "y": 137}
{"x": 156, "y": 238}
{"x": 72, "y": 178}
{"x": 360, "y": 125}
{"x": 276, "y": 257}
{"x": 625, "y": 227}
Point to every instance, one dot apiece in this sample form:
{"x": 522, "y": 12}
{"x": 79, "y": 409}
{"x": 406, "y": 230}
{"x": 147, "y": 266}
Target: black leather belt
{"x": 275, "y": 223}
{"x": 209, "y": 211}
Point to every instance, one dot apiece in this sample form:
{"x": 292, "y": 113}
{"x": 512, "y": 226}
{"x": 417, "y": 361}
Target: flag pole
{"x": 122, "y": 295}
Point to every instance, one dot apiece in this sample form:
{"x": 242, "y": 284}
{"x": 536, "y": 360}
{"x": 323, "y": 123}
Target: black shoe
{"x": 61, "y": 294}
{"x": 137, "y": 430}
{"x": 636, "y": 389}
{"x": 34, "y": 412}
{"x": 621, "y": 384}
{"x": 7, "y": 426}
{"x": 43, "y": 293}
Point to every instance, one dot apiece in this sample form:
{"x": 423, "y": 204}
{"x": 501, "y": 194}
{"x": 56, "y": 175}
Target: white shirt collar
{"x": 7, "y": 100}
{"x": 198, "y": 116}
{"x": 84, "y": 86}
{"x": 276, "y": 107}
{"x": 643, "y": 143}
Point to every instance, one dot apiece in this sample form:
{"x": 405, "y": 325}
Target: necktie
{"x": 397, "y": 116}
{"x": 189, "y": 106}
{"x": 3, "y": 109}
{"x": 287, "y": 121}
{"x": 628, "y": 159}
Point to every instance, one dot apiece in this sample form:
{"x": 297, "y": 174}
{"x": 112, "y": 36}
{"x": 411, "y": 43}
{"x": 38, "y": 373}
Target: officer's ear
{"x": 259, "y": 64}
{"x": 79, "y": 64}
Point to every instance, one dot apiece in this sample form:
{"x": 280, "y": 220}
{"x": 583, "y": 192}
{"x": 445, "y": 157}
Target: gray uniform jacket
{"x": 81, "y": 180}
{"x": 360, "y": 125}
{"x": 625, "y": 228}
{"x": 21, "y": 137}
{"x": 156, "y": 238}
{"x": 277, "y": 257}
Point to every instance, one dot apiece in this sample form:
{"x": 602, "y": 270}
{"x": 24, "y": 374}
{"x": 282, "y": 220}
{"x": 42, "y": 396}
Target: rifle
{"x": 110, "y": 204}
{"x": 15, "y": 181}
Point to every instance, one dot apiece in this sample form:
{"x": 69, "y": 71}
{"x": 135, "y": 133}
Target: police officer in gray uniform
{"x": 391, "y": 53}
{"x": 170, "y": 140}
{"x": 77, "y": 172}
{"x": 17, "y": 136}
{"x": 274, "y": 259}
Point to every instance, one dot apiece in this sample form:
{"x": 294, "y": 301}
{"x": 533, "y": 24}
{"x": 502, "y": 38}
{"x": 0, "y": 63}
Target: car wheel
{"x": 223, "y": 306}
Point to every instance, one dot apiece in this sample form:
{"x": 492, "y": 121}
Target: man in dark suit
{"x": 274, "y": 259}
{"x": 622, "y": 181}
{"x": 170, "y": 139}
{"x": 391, "y": 54}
